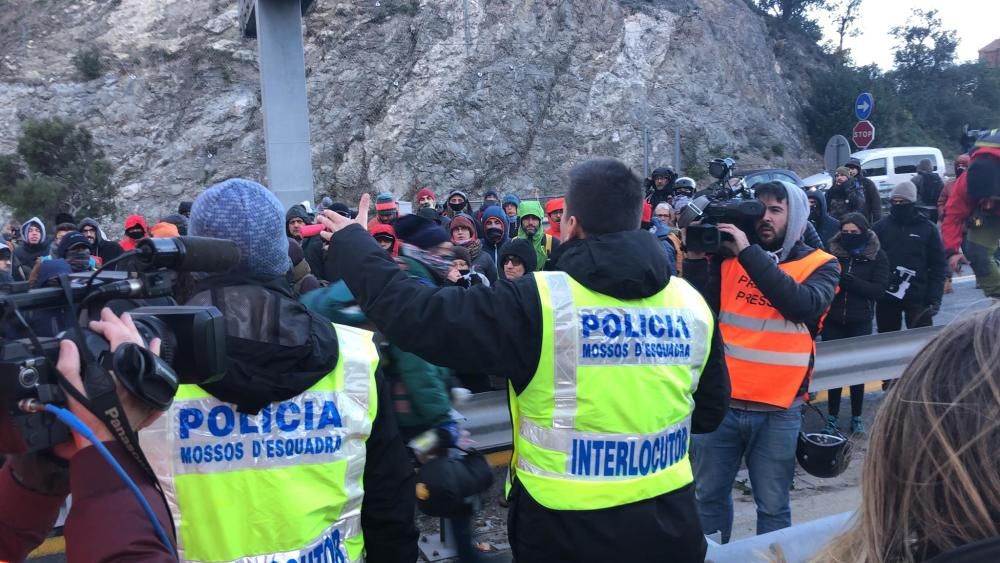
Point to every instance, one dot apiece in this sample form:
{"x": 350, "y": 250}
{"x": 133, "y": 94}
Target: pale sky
{"x": 976, "y": 22}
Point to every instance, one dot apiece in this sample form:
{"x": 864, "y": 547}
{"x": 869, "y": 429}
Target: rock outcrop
{"x": 405, "y": 94}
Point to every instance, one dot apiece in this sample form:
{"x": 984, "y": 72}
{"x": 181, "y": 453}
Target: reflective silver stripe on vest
{"x": 357, "y": 380}
{"x": 565, "y": 344}
{"x": 795, "y": 359}
{"x": 328, "y": 547}
{"x": 767, "y": 325}
{"x": 594, "y": 456}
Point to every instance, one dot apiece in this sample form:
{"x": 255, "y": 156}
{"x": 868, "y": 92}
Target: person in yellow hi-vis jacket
{"x": 612, "y": 366}
{"x": 294, "y": 455}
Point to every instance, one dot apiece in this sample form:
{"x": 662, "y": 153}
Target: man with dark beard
{"x": 771, "y": 292}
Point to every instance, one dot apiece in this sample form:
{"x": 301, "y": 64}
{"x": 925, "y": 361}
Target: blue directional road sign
{"x": 863, "y": 106}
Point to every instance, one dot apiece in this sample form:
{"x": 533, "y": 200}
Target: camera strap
{"x": 102, "y": 395}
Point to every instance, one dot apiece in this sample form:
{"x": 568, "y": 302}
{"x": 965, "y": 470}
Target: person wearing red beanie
{"x": 426, "y": 198}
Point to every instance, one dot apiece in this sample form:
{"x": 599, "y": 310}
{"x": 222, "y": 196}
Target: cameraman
{"x": 771, "y": 296}
{"x": 106, "y": 523}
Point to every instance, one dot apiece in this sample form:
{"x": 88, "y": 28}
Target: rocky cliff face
{"x": 404, "y": 93}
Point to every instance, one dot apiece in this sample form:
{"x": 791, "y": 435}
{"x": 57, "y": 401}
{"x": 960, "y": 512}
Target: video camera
{"x": 192, "y": 338}
{"x": 720, "y": 203}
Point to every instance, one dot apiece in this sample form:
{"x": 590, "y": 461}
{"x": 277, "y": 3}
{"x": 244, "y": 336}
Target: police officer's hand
{"x": 335, "y": 222}
{"x": 117, "y": 331}
{"x": 739, "y": 242}
{"x": 955, "y": 262}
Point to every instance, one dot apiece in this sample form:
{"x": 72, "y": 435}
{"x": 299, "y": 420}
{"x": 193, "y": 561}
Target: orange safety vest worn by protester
{"x": 770, "y": 359}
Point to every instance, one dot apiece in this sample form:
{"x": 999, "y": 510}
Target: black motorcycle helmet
{"x": 823, "y": 455}
{"x": 444, "y": 483}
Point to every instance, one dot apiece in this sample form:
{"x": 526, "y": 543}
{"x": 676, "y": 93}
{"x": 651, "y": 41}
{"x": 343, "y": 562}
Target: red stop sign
{"x": 863, "y": 134}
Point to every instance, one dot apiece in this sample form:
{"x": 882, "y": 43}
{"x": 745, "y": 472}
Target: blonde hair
{"x": 931, "y": 479}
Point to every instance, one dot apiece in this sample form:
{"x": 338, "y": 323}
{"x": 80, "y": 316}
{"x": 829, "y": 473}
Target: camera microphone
{"x": 189, "y": 254}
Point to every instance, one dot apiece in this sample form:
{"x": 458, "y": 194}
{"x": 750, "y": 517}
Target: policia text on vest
{"x": 580, "y": 443}
{"x": 284, "y": 485}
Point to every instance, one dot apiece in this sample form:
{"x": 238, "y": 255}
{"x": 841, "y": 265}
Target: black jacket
{"x": 916, "y": 245}
{"x": 106, "y": 250}
{"x": 863, "y": 279}
{"x": 825, "y": 225}
{"x": 873, "y": 199}
{"x": 270, "y": 363}
{"x": 624, "y": 265}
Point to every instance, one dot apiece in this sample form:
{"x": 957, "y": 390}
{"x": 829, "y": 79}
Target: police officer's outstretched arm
{"x": 490, "y": 330}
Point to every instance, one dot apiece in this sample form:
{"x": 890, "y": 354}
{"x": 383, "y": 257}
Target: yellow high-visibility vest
{"x": 283, "y": 485}
{"x": 606, "y": 419}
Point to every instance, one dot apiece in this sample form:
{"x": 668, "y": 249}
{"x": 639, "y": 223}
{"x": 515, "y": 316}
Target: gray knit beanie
{"x": 248, "y": 214}
{"x": 905, "y": 190}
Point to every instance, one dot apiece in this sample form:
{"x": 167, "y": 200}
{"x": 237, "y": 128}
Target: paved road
{"x": 964, "y": 300}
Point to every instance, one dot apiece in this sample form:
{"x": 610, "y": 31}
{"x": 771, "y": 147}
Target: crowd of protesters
{"x": 882, "y": 270}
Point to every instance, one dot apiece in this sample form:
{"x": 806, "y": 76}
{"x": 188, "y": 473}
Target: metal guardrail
{"x": 796, "y": 544}
{"x": 839, "y": 363}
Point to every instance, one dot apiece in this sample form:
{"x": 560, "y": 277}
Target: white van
{"x": 887, "y": 167}
{"x": 890, "y": 166}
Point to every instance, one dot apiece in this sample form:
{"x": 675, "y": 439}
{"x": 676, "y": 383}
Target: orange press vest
{"x": 769, "y": 357}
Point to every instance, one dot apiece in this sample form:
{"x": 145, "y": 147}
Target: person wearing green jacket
{"x": 531, "y": 230}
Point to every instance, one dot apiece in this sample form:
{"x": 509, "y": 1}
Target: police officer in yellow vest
{"x": 294, "y": 454}
{"x": 612, "y": 365}
{"x": 771, "y": 295}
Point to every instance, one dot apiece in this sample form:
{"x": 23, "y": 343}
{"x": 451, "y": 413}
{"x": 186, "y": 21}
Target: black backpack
{"x": 930, "y": 188}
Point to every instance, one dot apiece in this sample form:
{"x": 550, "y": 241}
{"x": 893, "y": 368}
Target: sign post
{"x": 864, "y": 131}
{"x": 863, "y": 106}
{"x": 863, "y": 134}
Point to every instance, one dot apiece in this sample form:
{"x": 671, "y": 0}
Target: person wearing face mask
{"x": 135, "y": 230}
{"x": 457, "y": 202}
{"x": 864, "y": 275}
{"x": 75, "y": 249}
{"x": 463, "y": 233}
{"x": 494, "y": 233}
{"x": 916, "y": 264}
{"x": 684, "y": 189}
{"x": 490, "y": 199}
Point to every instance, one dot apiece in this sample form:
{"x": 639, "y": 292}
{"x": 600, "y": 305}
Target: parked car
{"x": 771, "y": 175}
{"x": 886, "y": 167}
